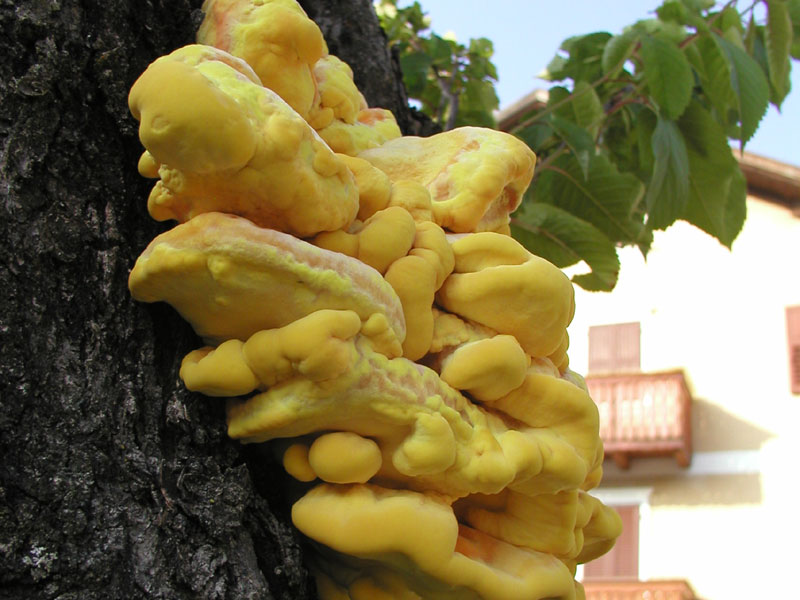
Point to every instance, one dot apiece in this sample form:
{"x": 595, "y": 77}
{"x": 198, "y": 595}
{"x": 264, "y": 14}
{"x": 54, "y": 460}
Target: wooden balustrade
{"x": 639, "y": 590}
{"x": 643, "y": 414}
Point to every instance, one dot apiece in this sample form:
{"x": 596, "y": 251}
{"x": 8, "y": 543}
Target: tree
{"x": 115, "y": 482}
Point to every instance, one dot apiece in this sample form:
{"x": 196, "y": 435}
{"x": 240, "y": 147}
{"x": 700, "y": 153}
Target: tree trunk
{"x": 353, "y": 33}
{"x": 115, "y": 482}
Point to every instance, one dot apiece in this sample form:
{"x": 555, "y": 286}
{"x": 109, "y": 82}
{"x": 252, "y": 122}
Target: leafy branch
{"x": 635, "y": 133}
{"x": 452, "y": 83}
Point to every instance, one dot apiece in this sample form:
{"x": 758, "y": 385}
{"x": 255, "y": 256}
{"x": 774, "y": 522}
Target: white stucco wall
{"x": 720, "y": 315}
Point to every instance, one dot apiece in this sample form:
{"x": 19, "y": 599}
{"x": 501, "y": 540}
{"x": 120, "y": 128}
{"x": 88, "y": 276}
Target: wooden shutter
{"x": 622, "y": 561}
{"x": 614, "y": 348}
{"x": 793, "y": 336}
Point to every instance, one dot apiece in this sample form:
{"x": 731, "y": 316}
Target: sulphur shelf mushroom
{"x": 476, "y": 176}
{"x": 231, "y": 147}
{"x": 231, "y": 279}
{"x": 365, "y": 312}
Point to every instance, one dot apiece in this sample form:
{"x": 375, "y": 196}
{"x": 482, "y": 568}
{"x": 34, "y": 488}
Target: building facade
{"x": 694, "y": 362}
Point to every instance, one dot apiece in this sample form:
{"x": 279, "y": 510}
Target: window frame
{"x": 630, "y": 496}
{"x": 615, "y": 348}
{"x": 793, "y": 347}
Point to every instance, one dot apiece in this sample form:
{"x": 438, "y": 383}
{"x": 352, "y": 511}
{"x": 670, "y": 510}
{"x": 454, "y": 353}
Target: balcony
{"x": 639, "y": 590}
{"x": 643, "y": 414}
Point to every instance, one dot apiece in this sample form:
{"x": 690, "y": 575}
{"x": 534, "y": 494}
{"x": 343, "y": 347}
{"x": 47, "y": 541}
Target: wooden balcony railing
{"x": 639, "y": 590}
{"x": 643, "y": 414}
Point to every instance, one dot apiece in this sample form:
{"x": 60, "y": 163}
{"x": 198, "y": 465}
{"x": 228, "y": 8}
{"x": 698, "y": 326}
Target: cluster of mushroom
{"x": 368, "y": 314}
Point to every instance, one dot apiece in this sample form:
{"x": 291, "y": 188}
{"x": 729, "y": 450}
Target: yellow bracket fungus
{"x": 237, "y": 148}
{"x": 450, "y": 331}
{"x": 275, "y": 37}
{"x": 312, "y": 346}
{"x": 220, "y": 371}
{"x": 374, "y": 186}
{"x": 530, "y": 299}
{"x": 339, "y": 97}
{"x": 372, "y": 128}
{"x": 554, "y": 523}
{"x": 476, "y": 176}
{"x": 414, "y": 280}
{"x": 344, "y": 457}
{"x": 444, "y": 559}
{"x": 369, "y": 317}
{"x": 296, "y": 463}
{"x": 404, "y": 407}
{"x": 488, "y": 369}
{"x": 414, "y": 197}
{"x": 221, "y": 272}
{"x": 430, "y": 448}
{"x": 379, "y": 241}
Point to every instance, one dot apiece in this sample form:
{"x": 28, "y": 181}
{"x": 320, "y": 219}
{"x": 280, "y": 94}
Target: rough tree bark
{"x": 114, "y": 481}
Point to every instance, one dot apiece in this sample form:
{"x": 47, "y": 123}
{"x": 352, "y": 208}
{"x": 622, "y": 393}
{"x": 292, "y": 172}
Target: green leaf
{"x": 695, "y": 59}
{"x": 750, "y": 34}
{"x": 606, "y": 198}
{"x": 717, "y": 188}
{"x": 479, "y": 94}
{"x": 620, "y": 137}
{"x": 618, "y": 49}
{"x": 668, "y": 191}
{"x": 584, "y": 61}
{"x": 672, "y": 10}
{"x": 556, "y": 69}
{"x": 536, "y": 135}
{"x": 715, "y": 77}
{"x": 579, "y": 140}
{"x": 759, "y": 54}
{"x": 645, "y": 127}
{"x": 698, "y": 5}
{"x": 668, "y": 31}
{"x": 794, "y": 14}
{"x": 415, "y": 67}
{"x": 583, "y": 107}
{"x": 557, "y": 99}
{"x": 564, "y": 239}
{"x": 729, "y": 19}
{"x": 476, "y": 103}
{"x": 749, "y": 84}
{"x": 482, "y": 47}
{"x": 587, "y": 107}
{"x": 440, "y": 50}
{"x": 779, "y": 43}
{"x": 668, "y": 75}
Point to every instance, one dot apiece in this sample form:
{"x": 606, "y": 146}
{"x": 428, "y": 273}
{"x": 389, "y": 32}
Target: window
{"x": 628, "y": 559}
{"x": 793, "y": 336}
{"x": 614, "y": 348}
{"x": 622, "y": 561}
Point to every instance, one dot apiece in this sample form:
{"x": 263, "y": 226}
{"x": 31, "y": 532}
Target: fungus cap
{"x": 237, "y": 148}
{"x": 275, "y": 37}
{"x": 383, "y": 238}
{"x": 443, "y": 559}
{"x": 338, "y": 96}
{"x": 216, "y": 134}
{"x": 344, "y": 457}
{"x": 530, "y": 299}
{"x": 221, "y": 273}
{"x": 488, "y": 369}
{"x": 313, "y": 347}
{"x": 476, "y": 176}
{"x": 372, "y": 128}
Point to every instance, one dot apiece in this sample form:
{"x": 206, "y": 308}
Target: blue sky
{"x": 527, "y": 33}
